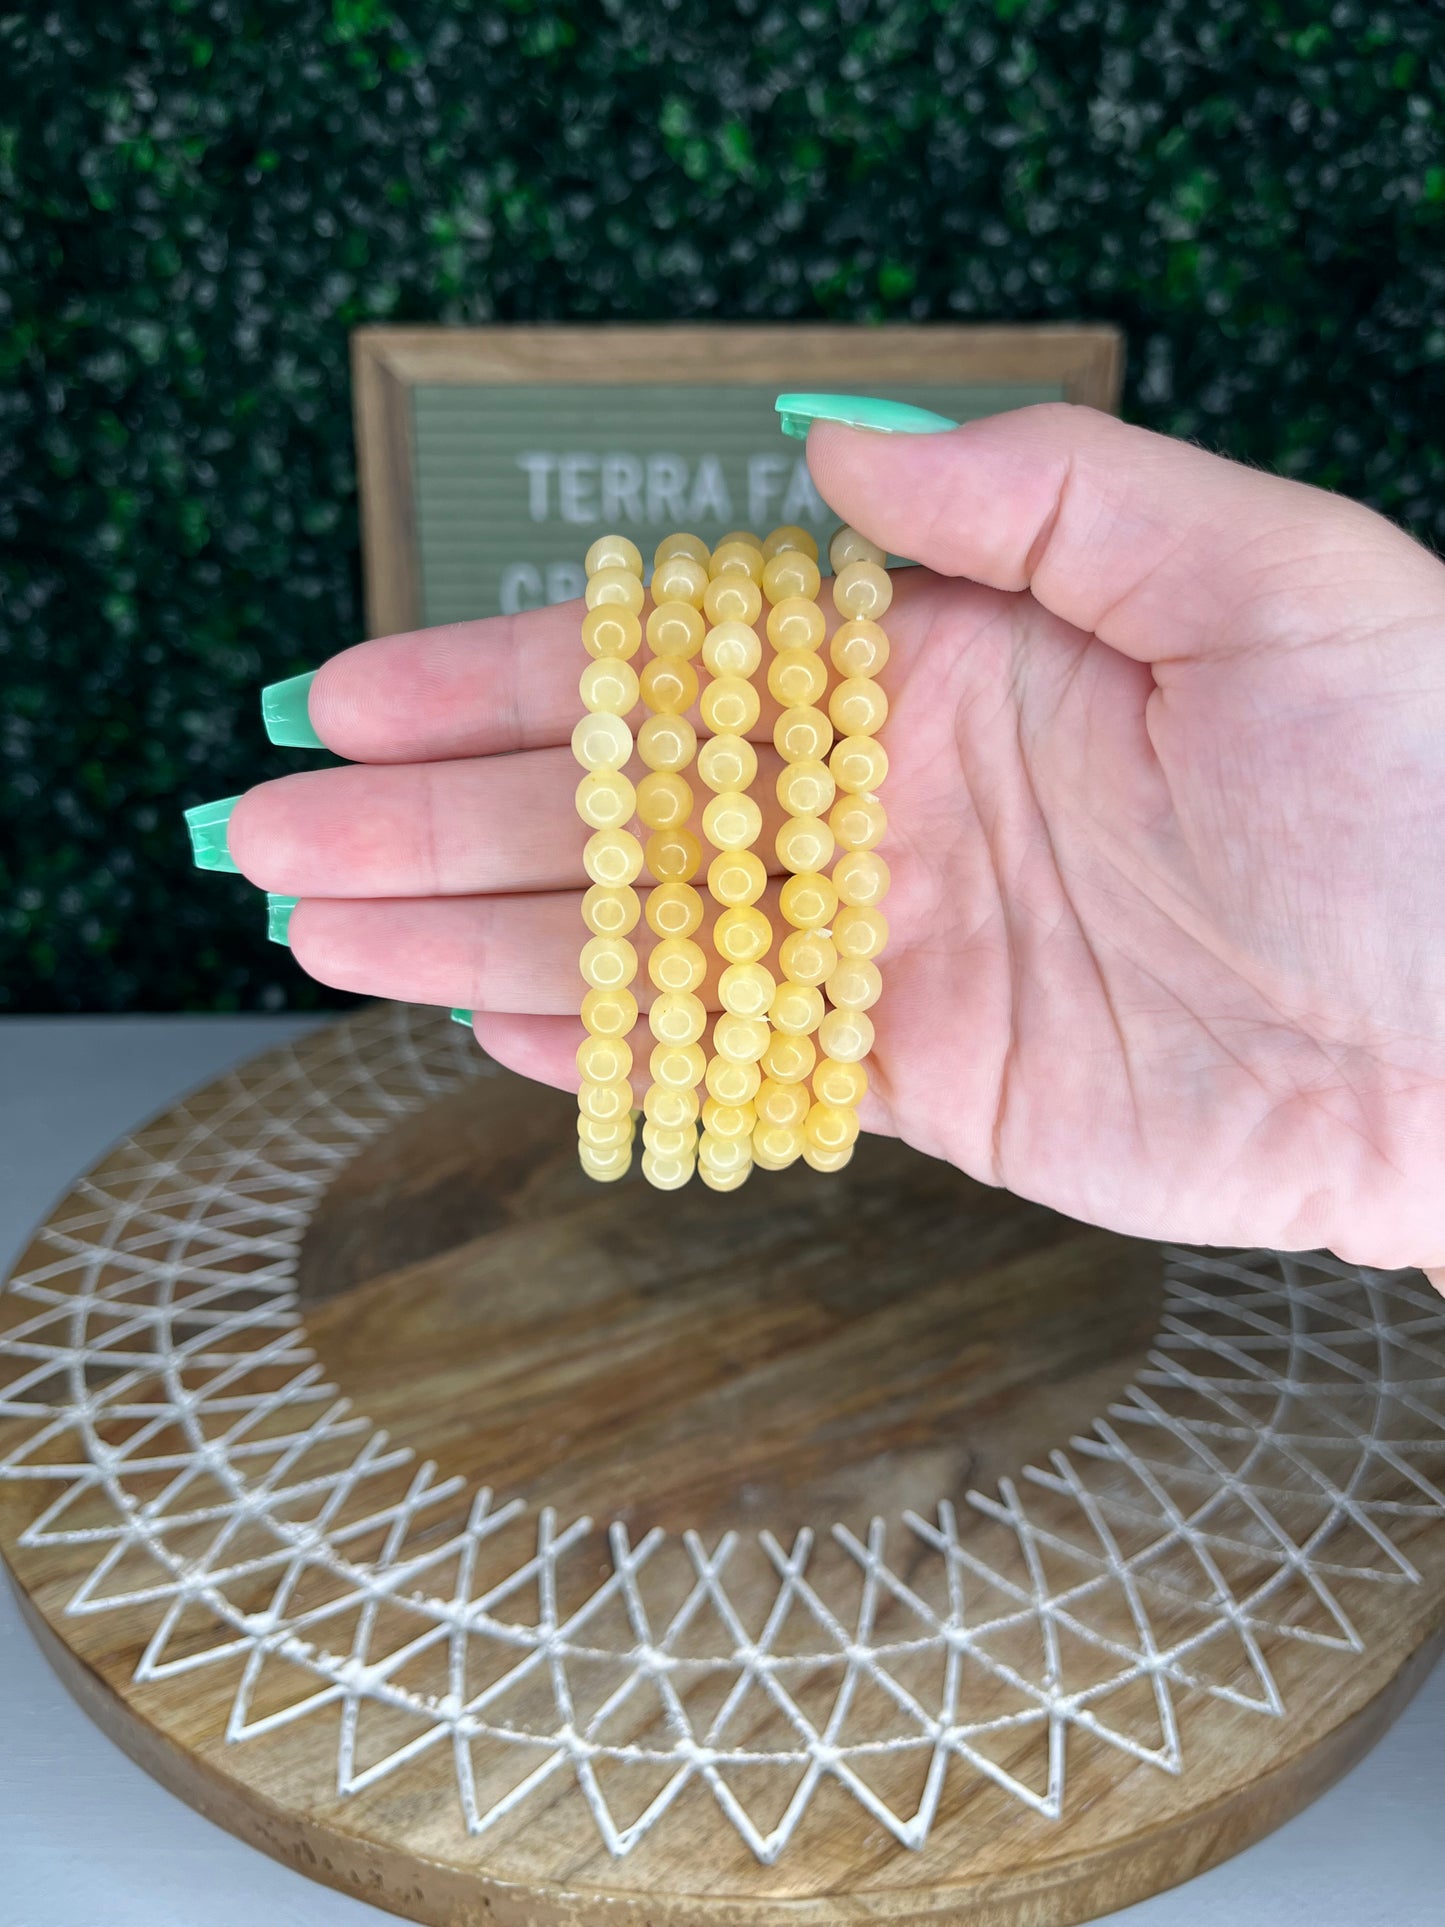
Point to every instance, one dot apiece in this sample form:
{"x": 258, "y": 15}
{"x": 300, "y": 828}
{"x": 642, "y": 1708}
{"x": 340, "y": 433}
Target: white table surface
{"x": 88, "y": 1840}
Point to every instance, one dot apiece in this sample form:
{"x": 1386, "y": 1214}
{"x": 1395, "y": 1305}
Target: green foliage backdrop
{"x": 199, "y": 198}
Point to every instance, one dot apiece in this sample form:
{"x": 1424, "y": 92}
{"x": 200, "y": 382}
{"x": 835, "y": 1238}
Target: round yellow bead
{"x": 725, "y": 1180}
{"x": 732, "y": 821}
{"x": 776, "y": 1146}
{"x": 605, "y": 1166}
{"x": 785, "y": 1104}
{"x": 674, "y": 909}
{"x": 831, "y": 1129}
{"x": 805, "y": 789}
{"x": 671, "y": 1105}
{"x": 613, "y": 857}
{"x": 742, "y": 935}
{"x": 602, "y": 742}
{"x": 797, "y": 1010}
{"x": 790, "y": 573}
{"x": 616, "y": 1132}
{"x": 677, "y": 1017}
{"x": 669, "y": 685}
{"x": 679, "y": 578}
{"x": 666, "y": 1174}
{"x": 802, "y": 735}
{"x": 677, "y": 963}
{"x": 731, "y": 1083}
{"x": 727, "y": 762}
{"x": 681, "y": 544}
{"x": 606, "y": 1102}
{"x": 664, "y": 800}
{"x": 740, "y": 1039}
{"x": 675, "y": 629}
{"x": 847, "y": 545}
{"x": 789, "y": 536}
{"x": 609, "y": 1013}
{"x": 736, "y": 876}
{"x": 721, "y": 1155}
{"x": 858, "y": 822}
{"x": 667, "y": 742}
{"x": 862, "y": 589}
{"x": 808, "y": 901}
{"x": 605, "y": 799}
{"x": 804, "y": 843}
{"x": 858, "y": 707}
{"x": 728, "y": 1120}
{"x": 608, "y": 963}
{"x": 859, "y": 649}
{"x": 608, "y": 685}
{"x": 742, "y": 535}
{"x": 738, "y": 554}
{"x": 610, "y": 911}
{"x": 604, "y": 1060}
{"x": 846, "y": 1035}
{"x": 859, "y": 764}
{"x": 613, "y": 552}
{"x": 806, "y": 957}
{"x": 670, "y": 1140}
{"x": 861, "y": 879}
{"x": 747, "y": 990}
{"x": 679, "y": 1066}
{"x": 856, "y": 984}
{"x": 611, "y": 631}
{"x": 732, "y": 649}
{"x": 796, "y": 624}
{"x": 732, "y": 598}
{"x": 797, "y": 678}
{"x": 730, "y": 706}
{"x": 841, "y": 1085}
{"x": 614, "y": 588}
{"x": 822, "y": 1160}
{"x": 859, "y": 932}
{"x": 788, "y": 1060}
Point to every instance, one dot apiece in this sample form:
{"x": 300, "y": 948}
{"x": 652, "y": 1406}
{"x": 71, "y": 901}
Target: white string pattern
{"x": 208, "y": 1471}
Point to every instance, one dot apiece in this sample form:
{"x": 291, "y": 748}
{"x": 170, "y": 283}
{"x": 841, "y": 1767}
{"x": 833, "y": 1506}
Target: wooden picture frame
{"x": 392, "y": 366}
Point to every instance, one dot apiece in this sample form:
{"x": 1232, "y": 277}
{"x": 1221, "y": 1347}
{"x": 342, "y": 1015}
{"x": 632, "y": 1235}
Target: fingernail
{"x": 462, "y": 1017}
{"x": 798, "y": 412}
{"x": 208, "y": 823}
{"x": 278, "y": 917}
{"x": 286, "y": 712}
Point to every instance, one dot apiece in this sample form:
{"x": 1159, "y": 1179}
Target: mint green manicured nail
{"x": 462, "y": 1017}
{"x": 286, "y": 712}
{"x": 208, "y": 823}
{"x": 798, "y": 412}
{"x": 278, "y": 917}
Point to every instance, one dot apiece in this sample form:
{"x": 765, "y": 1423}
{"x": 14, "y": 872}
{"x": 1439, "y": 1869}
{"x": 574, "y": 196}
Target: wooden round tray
{"x": 504, "y": 1548}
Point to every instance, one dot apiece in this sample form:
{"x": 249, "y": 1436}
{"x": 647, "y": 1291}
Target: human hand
{"x": 1167, "y": 745}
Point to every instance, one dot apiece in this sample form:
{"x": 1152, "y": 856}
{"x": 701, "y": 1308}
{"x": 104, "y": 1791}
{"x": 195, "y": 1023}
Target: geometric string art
{"x": 1267, "y": 1470}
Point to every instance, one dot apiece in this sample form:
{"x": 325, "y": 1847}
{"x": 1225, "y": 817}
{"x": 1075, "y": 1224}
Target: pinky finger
{"x": 542, "y": 1048}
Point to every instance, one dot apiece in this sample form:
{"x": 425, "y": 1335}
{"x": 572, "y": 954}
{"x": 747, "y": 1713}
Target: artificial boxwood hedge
{"x": 199, "y": 198}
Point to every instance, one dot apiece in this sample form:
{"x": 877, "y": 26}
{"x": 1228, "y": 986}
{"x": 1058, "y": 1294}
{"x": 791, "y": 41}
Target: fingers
{"x": 1149, "y": 543}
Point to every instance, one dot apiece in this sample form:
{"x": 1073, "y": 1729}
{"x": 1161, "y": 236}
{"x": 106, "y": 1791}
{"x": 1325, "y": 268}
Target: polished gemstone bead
{"x": 728, "y": 1120}
{"x": 613, "y": 552}
{"x": 732, "y": 821}
{"x": 669, "y": 685}
{"x": 861, "y": 879}
{"x": 743, "y": 1039}
{"x": 747, "y": 989}
{"x": 603, "y": 1060}
{"x": 856, "y": 984}
{"x": 677, "y": 1017}
{"x": 605, "y": 1166}
{"x": 724, "y": 1154}
{"x": 797, "y": 678}
{"x": 673, "y": 1105}
{"x": 613, "y": 857}
{"x": 805, "y": 789}
{"x": 679, "y": 578}
{"x": 604, "y": 1136}
{"x": 859, "y": 764}
{"x": 859, "y": 649}
{"x": 778, "y": 1103}
{"x": 681, "y": 544}
{"x": 847, "y": 545}
{"x": 725, "y": 1180}
{"x": 796, "y": 1010}
{"x": 807, "y": 957}
{"x": 666, "y": 742}
{"x": 822, "y": 1160}
{"x": 670, "y": 1140}
{"x": 796, "y": 624}
{"x": 790, "y": 573}
{"x": 859, "y": 932}
{"x": 605, "y": 799}
{"x": 789, "y": 536}
{"x": 674, "y": 909}
{"x": 732, "y": 598}
{"x": 731, "y": 1083}
{"x": 602, "y": 742}
{"x": 677, "y": 963}
{"x": 858, "y": 707}
{"x": 841, "y": 1085}
{"x": 808, "y": 901}
{"x": 675, "y": 629}
{"x": 846, "y": 1035}
{"x": 732, "y": 649}
{"x": 611, "y": 631}
{"x": 802, "y": 735}
{"x": 804, "y": 843}
{"x": 608, "y": 963}
{"x": 830, "y": 1128}
{"x": 776, "y": 1146}
{"x": 610, "y": 911}
{"x": 664, "y": 800}
{"x": 742, "y": 535}
{"x": 730, "y": 705}
{"x": 742, "y": 934}
{"x": 666, "y": 1174}
{"x": 788, "y": 1060}
{"x": 606, "y": 1102}
{"x": 609, "y": 1013}
{"x": 858, "y": 822}
{"x": 609, "y": 684}
{"x": 614, "y": 588}
{"x": 738, "y": 555}
{"x": 673, "y": 856}
{"x": 862, "y": 589}
{"x": 679, "y": 1065}
{"x": 727, "y": 762}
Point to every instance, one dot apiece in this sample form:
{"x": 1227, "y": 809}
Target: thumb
{"x": 1153, "y": 545}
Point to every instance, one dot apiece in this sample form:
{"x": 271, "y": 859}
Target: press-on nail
{"x": 798, "y": 412}
{"x": 208, "y": 824}
{"x": 462, "y": 1017}
{"x": 278, "y": 917}
{"x": 285, "y": 710}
